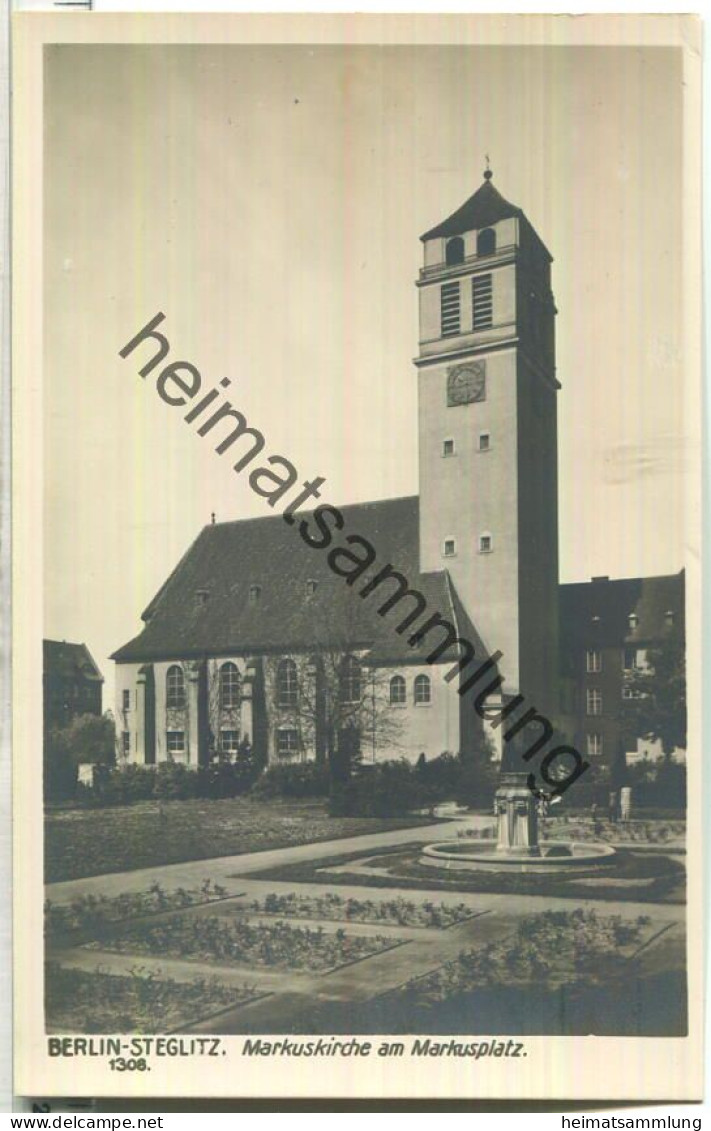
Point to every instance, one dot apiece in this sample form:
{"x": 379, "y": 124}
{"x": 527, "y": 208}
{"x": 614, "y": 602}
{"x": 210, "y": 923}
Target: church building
{"x": 253, "y": 637}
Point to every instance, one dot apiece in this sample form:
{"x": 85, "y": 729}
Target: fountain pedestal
{"x": 516, "y": 816}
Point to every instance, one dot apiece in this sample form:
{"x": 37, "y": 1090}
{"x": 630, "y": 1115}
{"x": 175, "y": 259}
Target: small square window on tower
{"x": 448, "y": 447}
{"x": 485, "y": 544}
{"x": 449, "y": 548}
{"x": 484, "y": 442}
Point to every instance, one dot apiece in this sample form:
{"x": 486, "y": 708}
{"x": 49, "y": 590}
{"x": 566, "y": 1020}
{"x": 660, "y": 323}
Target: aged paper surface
{"x": 302, "y": 856}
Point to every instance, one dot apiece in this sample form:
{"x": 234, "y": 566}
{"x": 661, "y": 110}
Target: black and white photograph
{"x": 362, "y": 685}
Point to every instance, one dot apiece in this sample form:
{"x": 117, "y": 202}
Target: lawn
{"x": 645, "y": 878}
{"x": 91, "y": 842}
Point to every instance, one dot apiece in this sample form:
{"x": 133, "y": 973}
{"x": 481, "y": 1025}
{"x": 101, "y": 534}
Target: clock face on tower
{"x": 466, "y": 383}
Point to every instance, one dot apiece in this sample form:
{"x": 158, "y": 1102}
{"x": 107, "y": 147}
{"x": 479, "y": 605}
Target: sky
{"x": 269, "y": 200}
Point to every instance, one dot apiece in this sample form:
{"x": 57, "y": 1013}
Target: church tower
{"x": 488, "y": 433}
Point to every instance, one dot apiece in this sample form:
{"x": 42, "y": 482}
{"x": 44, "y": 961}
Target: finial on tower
{"x": 487, "y": 172}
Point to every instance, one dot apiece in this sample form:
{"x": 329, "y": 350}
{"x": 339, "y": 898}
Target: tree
{"x": 340, "y": 705}
{"x": 90, "y": 738}
{"x": 657, "y": 710}
{"x": 87, "y": 738}
{"x": 335, "y": 697}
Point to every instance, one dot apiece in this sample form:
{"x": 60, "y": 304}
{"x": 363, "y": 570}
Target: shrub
{"x": 591, "y": 788}
{"x": 175, "y": 782}
{"x": 659, "y": 784}
{"x": 225, "y": 779}
{"x": 60, "y": 770}
{"x": 441, "y": 775}
{"x": 302, "y": 779}
{"x": 386, "y": 790}
{"x": 477, "y": 783}
{"x": 119, "y": 786}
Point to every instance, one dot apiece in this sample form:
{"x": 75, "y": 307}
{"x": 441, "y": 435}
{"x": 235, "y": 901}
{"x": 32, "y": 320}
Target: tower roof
{"x": 485, "y": 207}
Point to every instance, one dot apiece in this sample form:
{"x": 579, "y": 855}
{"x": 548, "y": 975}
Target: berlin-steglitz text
{"x": 180, "y": 385}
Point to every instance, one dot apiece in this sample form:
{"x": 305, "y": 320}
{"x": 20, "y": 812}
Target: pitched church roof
{"x": 209, "y": 604}
{"x": 485, "y": 207}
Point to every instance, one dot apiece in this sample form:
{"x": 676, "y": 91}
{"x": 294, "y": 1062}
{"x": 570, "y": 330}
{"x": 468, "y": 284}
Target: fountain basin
{"x": 555, "y": 856}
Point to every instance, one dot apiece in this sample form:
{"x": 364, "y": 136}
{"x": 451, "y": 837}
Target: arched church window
{"x": 423, "y": 689}
{"x": 350, "y": 680}
{"x": 398, "y": 692}
{"x": 175, "y": 687}
{"x": 454, "y": 251}
{"x": 486, "y": 242}
{"x": 287, "y": 684}
{"x": 229, "y": 686}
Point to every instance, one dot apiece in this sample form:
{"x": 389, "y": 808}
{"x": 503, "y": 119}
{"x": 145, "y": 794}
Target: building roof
{"x": 598, "y": 611}
{"x": 207, "y": 607}
{"x": 484, "y": 208}
{"x": 64, "y": 660}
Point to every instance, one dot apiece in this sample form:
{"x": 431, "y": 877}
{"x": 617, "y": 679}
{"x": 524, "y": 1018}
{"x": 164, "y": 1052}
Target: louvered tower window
{"x": 449, "y": 299}
{"x": 482, "y": 308}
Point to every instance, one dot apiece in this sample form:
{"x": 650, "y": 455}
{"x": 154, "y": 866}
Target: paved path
{"x": 191, "y": 873}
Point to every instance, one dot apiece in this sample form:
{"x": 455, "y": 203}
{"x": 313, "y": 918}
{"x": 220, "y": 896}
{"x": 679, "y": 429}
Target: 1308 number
{"x": 120, "y": 1064}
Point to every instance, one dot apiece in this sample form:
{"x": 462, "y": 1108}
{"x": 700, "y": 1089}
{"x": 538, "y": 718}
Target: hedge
{"x": 168, "y": 781}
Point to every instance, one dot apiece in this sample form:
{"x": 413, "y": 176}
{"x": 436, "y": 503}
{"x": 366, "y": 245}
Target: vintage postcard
{"x": 356, "y": 426}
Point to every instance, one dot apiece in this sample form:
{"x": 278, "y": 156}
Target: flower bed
{"x": 391, "y": 912}
{"x": 77, "y": 1001}
{"x": 265, "y": 944}
{"x": 555, "y": 947}
{"x": 91, "y": 912}
{"x": 638, "y": 832}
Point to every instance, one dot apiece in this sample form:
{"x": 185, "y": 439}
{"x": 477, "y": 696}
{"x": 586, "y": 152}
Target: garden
{"x": 555, "y": 946}
{"x": 559, "y": 972}
{"x": 142, "y": 1001}
{"x": 215, "y": 939}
